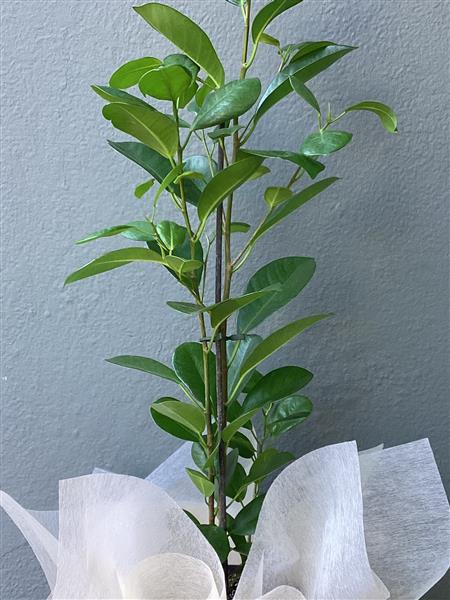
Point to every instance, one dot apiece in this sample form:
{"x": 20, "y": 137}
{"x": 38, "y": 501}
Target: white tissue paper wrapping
{"x": 334, "y": 525}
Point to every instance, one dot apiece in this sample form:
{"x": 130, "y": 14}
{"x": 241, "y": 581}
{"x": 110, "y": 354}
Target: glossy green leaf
{"x": 187, "y": 415}
{"x": 259, "y": 172}
{"x": 253, "y": 379}
{"x": 112, "y": 95}
{"x": 222, "y": 132}
{"x": 237, "y": 486}
{"x": 231, "y": 464}
{"x": 199, "y": 164}
{"x": 183, "y": 61}
{"x": 167, "y": 82}
{"x": 191, "y": 279}
{"x": 147, "y": 365}
{"x": 269, "y": 461}
{"x": 276, "y": 195}
{"x": 314, "y": 58}
{"x": 188, "y": 308}
{"x": 129, "y": 74}
{"x": 188, "y": 365}
{"x": 276, "y": 385}
{"x": 134, "y": 228}
{"x": 169, "y": 425}
{"x": 277, "y": 340}
{"x": 159, "y": 167}
{"x": 201, "y": 482}
{"x": 304, "y": 92}
{"x": 198, "y": 455}
{"x": 232, "y": 100}
{"x": 296, "y": 201}
{"x": 223, "y": 184}
{"x": 218, "y": 539}
{"x": 143, "y": 188}
{"x": 243, "y": 445}
{"x": 386, "y": 115}
{"x": 325, "y": 142}
{"x": 113, "y": 260}
{"x": 235, "y": 425}
{"x": 267, "y": 14}
{"x": 239, "y": 227}
{"x": 171, "y": 234}
{"x": 182, "y": 266}
{"x": 247, "y": 519}
{"x": 237, "y": 353}
{"x": 288, "y": 413}
{"x": 312, "y": 167}
{"x": 148, "y": 126}
{"x": 139, "y": 231}
{"x": 265, "y": 38}
{"x": 222, "y": 310}
{"x": 291, "y": 274}
{"x": 186, "y": 35}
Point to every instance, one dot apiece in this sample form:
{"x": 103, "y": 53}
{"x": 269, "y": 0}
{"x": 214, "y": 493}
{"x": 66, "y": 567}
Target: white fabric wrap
{"x": 333, "y": 526}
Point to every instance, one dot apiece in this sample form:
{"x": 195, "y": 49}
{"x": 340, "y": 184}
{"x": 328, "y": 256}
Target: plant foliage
{"x": 230, "y": 411}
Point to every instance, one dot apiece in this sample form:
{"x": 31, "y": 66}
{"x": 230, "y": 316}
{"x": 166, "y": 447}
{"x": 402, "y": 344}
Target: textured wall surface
{"x": 380, "y": 238}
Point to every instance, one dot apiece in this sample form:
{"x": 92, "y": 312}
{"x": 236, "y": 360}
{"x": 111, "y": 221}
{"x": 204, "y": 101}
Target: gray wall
{"x": 380, "y": 237}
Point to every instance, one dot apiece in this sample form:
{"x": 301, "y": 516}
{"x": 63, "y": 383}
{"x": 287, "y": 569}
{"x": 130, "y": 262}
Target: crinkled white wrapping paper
{"x": 334, "y": 525}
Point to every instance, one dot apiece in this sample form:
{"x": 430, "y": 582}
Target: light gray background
{"x": 380, "y": 237}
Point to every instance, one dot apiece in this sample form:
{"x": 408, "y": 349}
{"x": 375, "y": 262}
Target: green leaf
{"x": 276, "y": 195}
{"x": 199, "y": 164}
{"x": 386, "y": 115}
{"x": 187, "y": 415}
{"x": 265, "y": 38}
{"x": 260, "y": 172}
{"x": 131, "y": 229}
{"x": 288, "y": 413}
{"x": 255, "y": 376}
{"x": 129, "y": 74}
{"x": 304, "y": 92}
{"x": 143, "y": 188}
{"x": 236, "y": 487}
{"x": 148, "y": 365}
{"x": 169, "y": 425}
{"x": 237, "y": 353}
{"x": 267, "y": 14}
{"x": 186, "y": 35}
{"x": 159, "y": 167}
{"x": 235, "y": 425}
{"x": 313, "y": 58}
{"x": 296, "y": 201}
{"x": 165, "y": 83}
{"x": 183, "y": 61}
{"x": 222, "y": 310}
{"x": 199, "y": 455}
{"x": 113, "y": 260}
{"x": 277, "y": 340}
{"x": 311, "y": 166}
{"x": 148, "y": 126}
{"x": 188, "y": 365}
{"x": 231, "y": 464}
{"x": 325, "y": 142}
{"x": 247, "y": 519}
{"x": 232, "y": 100}
{"x": 237, "y": 2}
{"x": 239, "y": 227}
{"x": 182, "y": 266}
{"x": 188, "y": 308}
{"x": 269, "y": 461}
{"x": 139, "y": 231}
{"x": 222, "y": 132}
{"x": 218, "y": 539}
{"x": 112, "y": 95}
{"x": 201, "y": 482}
{"x": 243, "y": 445}
{"x": 223, "y": 184}
{"x": 276, "y": 385}
{"x": 191, "y": 279}
{"x": 171, "y": 234}
{"x": 291, "y": 274}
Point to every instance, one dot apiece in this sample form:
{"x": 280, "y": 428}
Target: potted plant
{"x": 228, "y": 409}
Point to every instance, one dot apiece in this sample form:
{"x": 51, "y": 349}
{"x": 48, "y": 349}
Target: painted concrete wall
{"x": 380, "y": 238}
